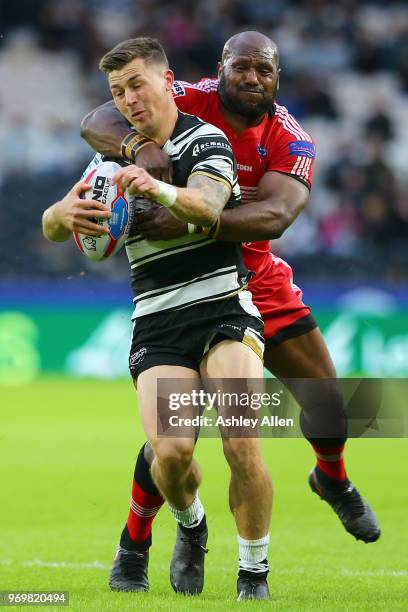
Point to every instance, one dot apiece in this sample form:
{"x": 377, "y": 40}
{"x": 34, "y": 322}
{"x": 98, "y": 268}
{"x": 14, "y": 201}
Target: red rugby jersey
{"x": 278, "y": 144}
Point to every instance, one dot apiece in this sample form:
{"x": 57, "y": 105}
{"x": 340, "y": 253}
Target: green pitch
{"x": 67, "y": 452}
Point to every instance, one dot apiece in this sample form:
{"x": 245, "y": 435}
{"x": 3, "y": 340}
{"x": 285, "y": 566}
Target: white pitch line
{"x": 296, "y": 570}
{"x": 57, "y": 564}
{"x": 343, "y": 571}
{"x": 379, "y": 573}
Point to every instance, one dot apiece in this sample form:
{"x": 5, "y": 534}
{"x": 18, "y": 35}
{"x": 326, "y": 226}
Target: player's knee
{"x": 243, "y": 455}
{"x": 322, "y": 369}
{"x": 148, "y": 453}
{"x": 328, "y": 370}
{"x": 174, "y": 454}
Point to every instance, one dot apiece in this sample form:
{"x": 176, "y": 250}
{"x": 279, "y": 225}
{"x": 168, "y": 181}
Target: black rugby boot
{"x": 252, "y": 586}
{"x": 352, "y": 510}
{"x": 129, "y": 571}
{"x": 187, "y": 564}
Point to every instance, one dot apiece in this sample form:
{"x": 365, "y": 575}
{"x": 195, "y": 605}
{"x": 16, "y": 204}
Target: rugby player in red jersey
{"x": 275, "y": 158}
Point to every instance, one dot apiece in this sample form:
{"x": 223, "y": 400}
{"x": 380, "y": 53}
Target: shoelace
{"x": 194, "y": 543}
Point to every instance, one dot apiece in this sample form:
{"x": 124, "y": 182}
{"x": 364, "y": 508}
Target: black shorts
{"x": 183, "y": 337}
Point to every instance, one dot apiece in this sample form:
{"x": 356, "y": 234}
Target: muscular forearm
{"x": 201, "y": 202}
{"x": 256, "y": 221}
{"x": 192, "y": 207}
{"x": 52, "y": 228}
{"x": 104, "y": 129}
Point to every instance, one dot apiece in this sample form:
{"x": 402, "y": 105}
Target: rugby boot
{"x": 129, "y": 571}
{"x": 353, "y": 511}
{"x": 187, "y": 564}
{"x": 252, "y": 586}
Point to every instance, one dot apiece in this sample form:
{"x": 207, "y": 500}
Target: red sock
{"x": 143, "y": 508}
{"x": 330, "y": 461}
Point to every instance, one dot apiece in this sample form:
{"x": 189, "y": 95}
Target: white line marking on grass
{"x": 57, "y": 564}
{"x": 295, "y": 570}
{"x": 344, "y": 571}
{"x": 380, "y": 572}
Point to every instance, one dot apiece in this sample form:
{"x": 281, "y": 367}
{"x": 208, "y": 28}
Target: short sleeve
{"x": 194, "y": 98}
{"x": 212, "y": 155}
{"x": 293, "y": 150}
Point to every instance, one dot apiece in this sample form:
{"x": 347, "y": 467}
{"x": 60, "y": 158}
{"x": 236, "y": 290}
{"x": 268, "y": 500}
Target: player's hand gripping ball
{"x": 117, "y": 202}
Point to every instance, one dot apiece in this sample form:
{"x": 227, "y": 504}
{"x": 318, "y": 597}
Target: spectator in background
{"x": 353, "y": 47}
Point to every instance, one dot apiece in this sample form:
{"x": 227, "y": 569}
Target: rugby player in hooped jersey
{"x": 193, "y": 318}
{"x": 275, "y": 159}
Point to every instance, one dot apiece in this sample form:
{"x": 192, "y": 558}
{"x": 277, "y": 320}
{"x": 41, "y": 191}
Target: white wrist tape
{"x": 167, "y": 195}
{"x": 191, "y": 228}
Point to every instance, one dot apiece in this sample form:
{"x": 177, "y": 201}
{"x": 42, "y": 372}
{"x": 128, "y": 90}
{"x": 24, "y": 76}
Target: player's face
{"x": 140, "y": 91}
{"x": 249, "y": 81}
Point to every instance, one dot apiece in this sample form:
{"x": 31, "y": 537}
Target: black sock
{"x": 142, "y": 473}
{"x": 143, "y": 479}
{"x": 243, "y": 573}
{"x": 202, "y": 526}
{"x": 129, "y": 544}
{"x": 329, "y": 483}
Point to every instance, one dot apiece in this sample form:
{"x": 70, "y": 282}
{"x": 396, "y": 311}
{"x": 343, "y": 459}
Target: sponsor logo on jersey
{"x": 244, "y": 168}
{"x": 302, "y": 148}
{"x": 212, "y": 144}
{"x": 238, "y": 328}
{"x": 263, "y": 151}
{"x": 178, "y": 89}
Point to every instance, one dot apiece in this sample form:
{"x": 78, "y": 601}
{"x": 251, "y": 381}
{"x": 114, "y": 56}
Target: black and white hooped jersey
{"x": 176, "y": 274}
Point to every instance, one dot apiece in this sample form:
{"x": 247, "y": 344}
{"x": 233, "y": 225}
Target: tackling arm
{"x": 280, "y": 198}
{"x": 107, "y": 131}
{"x": 104, "y": 129}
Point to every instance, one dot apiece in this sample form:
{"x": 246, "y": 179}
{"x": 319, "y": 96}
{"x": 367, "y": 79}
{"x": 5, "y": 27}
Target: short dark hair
{"x": 148, "y": 49}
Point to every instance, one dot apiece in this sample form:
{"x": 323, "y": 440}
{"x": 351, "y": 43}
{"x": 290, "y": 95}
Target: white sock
{"x": 191, "y": 516}
{"x": 252, "y": 554}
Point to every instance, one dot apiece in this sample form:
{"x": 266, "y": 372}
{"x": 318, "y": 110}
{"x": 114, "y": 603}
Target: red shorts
{"x": 280, "y": 303}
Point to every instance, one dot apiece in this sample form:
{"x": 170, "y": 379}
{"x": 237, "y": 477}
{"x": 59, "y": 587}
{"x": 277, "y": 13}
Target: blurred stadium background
{"x": 66, "y": 455}
{"x": 345, "y": 77}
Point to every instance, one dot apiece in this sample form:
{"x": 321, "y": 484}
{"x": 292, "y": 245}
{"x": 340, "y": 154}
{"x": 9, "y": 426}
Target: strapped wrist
{"x": 167, "y": 194}
{"x": 132, "y": 144}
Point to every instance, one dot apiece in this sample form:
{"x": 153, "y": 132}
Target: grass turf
{"x": 67, "y": 451}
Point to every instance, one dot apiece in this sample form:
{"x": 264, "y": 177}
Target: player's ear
{"x": 219, "y": 69}
{"x": 278, "y": 79}
{"x": 169, "y": 76}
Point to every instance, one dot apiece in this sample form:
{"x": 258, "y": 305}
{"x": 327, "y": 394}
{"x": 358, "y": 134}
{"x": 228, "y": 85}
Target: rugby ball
{"x": 100, "y": 247}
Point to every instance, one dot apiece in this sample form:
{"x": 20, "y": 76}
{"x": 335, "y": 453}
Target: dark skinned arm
{"x": 280, "y": 199}
{"x": 105, "y": 127}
